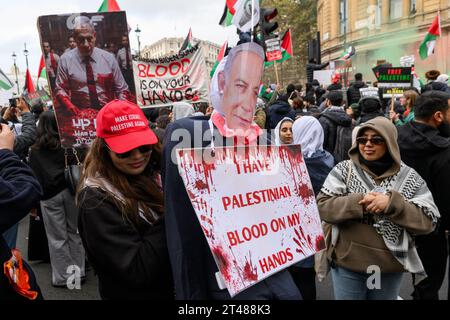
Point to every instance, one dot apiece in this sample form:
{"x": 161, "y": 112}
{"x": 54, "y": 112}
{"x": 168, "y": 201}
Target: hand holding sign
{"x": 243, "y": 208}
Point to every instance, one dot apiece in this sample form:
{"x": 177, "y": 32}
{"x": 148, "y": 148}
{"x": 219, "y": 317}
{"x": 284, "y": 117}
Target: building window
{"x": 396, "y": 9}
{"x": 413, "y": 7}
{"x": 378, "y": 14}
{"x": 343, "y": 16}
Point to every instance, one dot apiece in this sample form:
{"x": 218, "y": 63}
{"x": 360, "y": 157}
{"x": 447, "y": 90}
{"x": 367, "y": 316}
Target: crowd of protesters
{"x": 379, "y": 168}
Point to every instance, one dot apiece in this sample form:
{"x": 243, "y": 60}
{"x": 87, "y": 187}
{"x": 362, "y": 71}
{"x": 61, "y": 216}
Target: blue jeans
{"x": 349, "y": 285}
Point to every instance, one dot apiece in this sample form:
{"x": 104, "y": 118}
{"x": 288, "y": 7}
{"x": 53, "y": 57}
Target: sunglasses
{"x": 374, "y": 140}
{"x": 142, "y": 149}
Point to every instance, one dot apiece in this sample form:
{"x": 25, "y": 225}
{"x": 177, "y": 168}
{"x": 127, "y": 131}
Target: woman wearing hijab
{"x": 283, "y": 132}
{"x": 375, "y": 204}
{"x": 308, "y": 133}
{"x": 121, "y": 207}
{"x": 182, "y": 110}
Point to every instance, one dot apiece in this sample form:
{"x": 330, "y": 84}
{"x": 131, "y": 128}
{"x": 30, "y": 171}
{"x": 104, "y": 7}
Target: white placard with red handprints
{"x": 257, "y": 209}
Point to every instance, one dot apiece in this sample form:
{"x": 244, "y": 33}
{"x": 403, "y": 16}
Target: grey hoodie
{"x": 182, "y": 110}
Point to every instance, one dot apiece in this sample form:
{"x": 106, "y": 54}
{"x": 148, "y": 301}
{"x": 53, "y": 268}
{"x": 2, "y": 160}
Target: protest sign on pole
{"x": 393, "y": 81}
{"x": 256, "y": 207}
{"x": 33, "y": 98}
{"x": 181, "y": 77}
{"x": 85, "y": 77}
{"x": 323, "y": 76}
{"x": 273, "y": 49}
{"x": 369, "y": 92}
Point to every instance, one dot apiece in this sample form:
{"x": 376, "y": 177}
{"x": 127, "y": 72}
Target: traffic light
{"x": 267, "y": 27}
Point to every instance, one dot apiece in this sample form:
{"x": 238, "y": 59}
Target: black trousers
{"x": 305, "y": 279}
{"x": 433, "y": 251}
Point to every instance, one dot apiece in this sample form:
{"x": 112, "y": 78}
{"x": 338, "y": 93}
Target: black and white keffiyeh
{"x": 347, "y": 178}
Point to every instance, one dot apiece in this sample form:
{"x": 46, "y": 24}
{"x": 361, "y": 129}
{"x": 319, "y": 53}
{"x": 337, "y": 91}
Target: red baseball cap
{"x": 124, "y": 126}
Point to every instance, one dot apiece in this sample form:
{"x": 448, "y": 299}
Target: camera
{"x": 13, "y": 102}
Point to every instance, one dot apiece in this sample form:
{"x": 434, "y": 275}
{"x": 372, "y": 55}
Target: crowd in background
{"x": 355, "y": 149}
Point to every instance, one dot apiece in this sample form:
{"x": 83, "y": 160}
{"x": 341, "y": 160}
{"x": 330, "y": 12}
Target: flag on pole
{"x": 5, "y": 83}
{"x": 350, "y": 52}
{"x": 429, "y": 42}
{"x": 29, "y": 86}
{"x": 246, "y": 14}
{"x": 109, "y": 6}
{"x": 286, "y": 48}
{"x": 221, "y": 55}
{"x": 228, "y": 13}
{"x": 42, "y": 73}
{"x": 188, "y": 42}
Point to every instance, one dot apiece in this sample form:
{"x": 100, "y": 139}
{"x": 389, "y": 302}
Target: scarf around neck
{"x": 347, "y": 178}
{"x": 379, "y": 166}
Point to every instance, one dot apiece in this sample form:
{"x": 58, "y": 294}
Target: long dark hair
{"x": 140, "y": 191}
{"x": 47, "y": 132}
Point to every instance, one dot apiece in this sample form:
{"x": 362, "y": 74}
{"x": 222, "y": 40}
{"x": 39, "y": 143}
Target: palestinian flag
{"x": 42, "y": 73}
{"x": 429, "y": 43}
{"x": 29, "y": 86}
{"x": 109, "y": 6}
{"x": 350, "y": 52}
{"x": 228, "y": 13}
{"x": 221, "y": 55}
{"x": 5, "y": 83}
{"x": 286, "y": 49}
{"x": 188, "y": 42}
{"x": 265, "y": 93}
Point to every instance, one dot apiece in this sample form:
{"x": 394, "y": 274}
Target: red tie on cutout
{"x": 93, "y": 96}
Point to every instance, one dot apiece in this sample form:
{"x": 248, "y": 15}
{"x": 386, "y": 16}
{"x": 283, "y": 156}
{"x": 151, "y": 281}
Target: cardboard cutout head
{"x": 236, "y": 85}
{"x": 85, "y": 35}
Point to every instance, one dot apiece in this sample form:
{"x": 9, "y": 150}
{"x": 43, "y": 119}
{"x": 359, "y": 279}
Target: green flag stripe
{"x": 43, "y": 74}
{"x": 423, "y": 46}
{"x": 229, "y": 18}
{"x": 285, "y": 56}
{"x": 4, "y": 86}
{"x": 103, "y": 7}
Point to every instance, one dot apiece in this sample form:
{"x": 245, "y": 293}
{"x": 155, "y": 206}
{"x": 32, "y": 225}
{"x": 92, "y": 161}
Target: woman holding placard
{"x": 375, "y": 204}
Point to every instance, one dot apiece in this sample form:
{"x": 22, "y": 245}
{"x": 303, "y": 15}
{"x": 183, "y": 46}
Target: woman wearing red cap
{"x": 121, "y": 207}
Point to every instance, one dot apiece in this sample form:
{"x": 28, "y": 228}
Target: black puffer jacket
{"x": 424, "y": 149}
{"x": 369, "y": 116}
{"x": 279, "y": 110}
{"x": 439, "y": 86}
{"x": 353, "y": 94}
{"x": 334, "y": 87}
{"x": 28, "y": 137}
{"x": 330, "y": 120}
{"x": 19, "y": 192}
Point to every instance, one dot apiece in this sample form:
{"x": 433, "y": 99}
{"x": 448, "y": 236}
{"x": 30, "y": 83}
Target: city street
{"x": 89, "y": 290}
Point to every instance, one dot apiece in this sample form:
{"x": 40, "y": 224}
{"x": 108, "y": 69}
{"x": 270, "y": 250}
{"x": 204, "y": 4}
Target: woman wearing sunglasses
{"x": 121, "y": 207}
{"x": 375, "y": 204}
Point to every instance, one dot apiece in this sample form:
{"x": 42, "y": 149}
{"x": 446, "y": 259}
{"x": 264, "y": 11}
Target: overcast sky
{"x": 156, "y": 19}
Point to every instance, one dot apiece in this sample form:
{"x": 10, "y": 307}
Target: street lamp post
{"x": 138, "y": 33}
{"x": 14, "y": 56}
{"x": 26, "y": 52}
